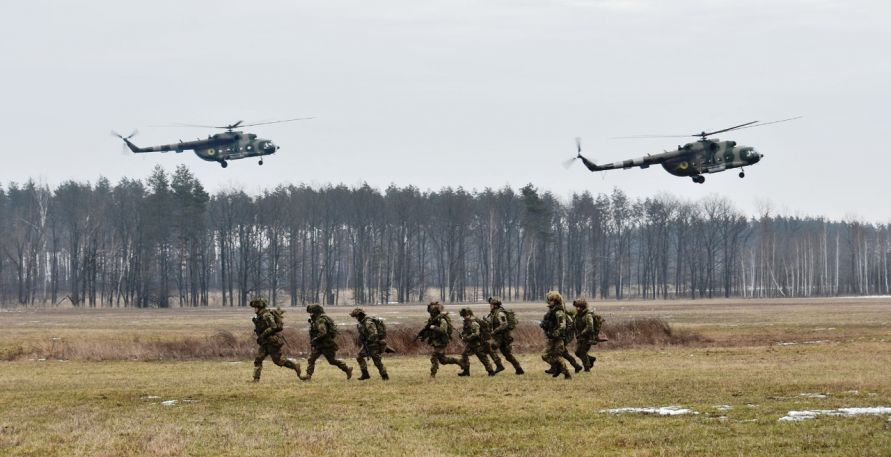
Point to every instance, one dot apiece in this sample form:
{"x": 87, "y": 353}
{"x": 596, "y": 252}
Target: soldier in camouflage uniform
{"x": 554, "y": 325}
{"x": 372, "y": 344}
{"x": 322, "y": 341}
{"x": 474, "y": 343}
{"x": 570, "y": 318}
{"x": 269, "y": 338}
{"x": 436, "y": 334}
{"x": 501, "y": 338}
{"x": 586, "y": 333}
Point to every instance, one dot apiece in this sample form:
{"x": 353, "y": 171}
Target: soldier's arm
{"x": 269, "y": 323}
{"x": 321, "y": 330}
{"x": 499, "y": 323}
{"x": 589, "y": 326}
{"x": 560, "y": 329}
{"x": 474, "y": 333}
{"x": 440, "y": 327}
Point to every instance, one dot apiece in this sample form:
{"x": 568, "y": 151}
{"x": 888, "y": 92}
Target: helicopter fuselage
{"x": 708, "y": 156}
{"x": 220, "y": 147}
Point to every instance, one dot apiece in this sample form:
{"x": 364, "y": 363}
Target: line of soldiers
{"x": 482, "y": 337}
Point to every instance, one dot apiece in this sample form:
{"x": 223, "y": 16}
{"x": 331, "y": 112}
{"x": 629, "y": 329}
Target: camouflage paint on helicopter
{"x": 707, "y": 155}
{"x": 220, "y": 147}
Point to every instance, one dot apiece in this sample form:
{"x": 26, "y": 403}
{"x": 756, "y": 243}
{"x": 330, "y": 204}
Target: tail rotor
{"x": 125, "y": 138}
{"x": 578, "y": 154}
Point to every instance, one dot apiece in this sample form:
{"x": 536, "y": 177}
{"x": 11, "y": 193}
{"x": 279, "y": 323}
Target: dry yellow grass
{"x": 103, "y": 408}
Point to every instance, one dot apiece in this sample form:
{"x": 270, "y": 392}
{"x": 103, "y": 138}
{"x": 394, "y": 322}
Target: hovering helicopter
{"x": 219, "y": 147}
{"x": 707, "y": 155}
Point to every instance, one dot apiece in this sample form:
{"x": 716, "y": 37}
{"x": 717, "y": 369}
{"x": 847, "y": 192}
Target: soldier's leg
{"x": 484, "y": 359}
{"x": 275, "y": 352}
{"x": 493, "y": 354}
{"x": 329, "y": 354}
{"x": 554, "y": 353}
{"x": 508, "y": 353}
{"x": 581, "y": 350}
{"x": 434, "y": 362}
{"x": 569, "y": 358}
{"x": 258, "y": 362}
{"x": 379, "y": 363}
{"x": 363, "y": 365}
{"x": 311, "y": 362}
{"x": 465, "y": 361}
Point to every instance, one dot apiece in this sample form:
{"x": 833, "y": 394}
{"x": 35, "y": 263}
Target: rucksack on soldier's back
{"x": 485, "y": 328}
{"x": 511, "y": 319}
{"x": 330, "y": 326}
{"x": 279, "y": 315}
{"x": 380, "y": 326}
{"x": 569, "y": 332}
{"x": 449, "y": 327}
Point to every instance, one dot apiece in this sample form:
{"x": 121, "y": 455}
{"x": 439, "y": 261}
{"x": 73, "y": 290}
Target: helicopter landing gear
{"x": 261, "y": 162}
{"x": 699, "y": 179}
{"x": 742, "y": 174}
{"x": 224, "y": 164}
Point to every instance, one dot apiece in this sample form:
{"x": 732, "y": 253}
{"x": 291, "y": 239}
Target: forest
{"x": 165, "y": 241}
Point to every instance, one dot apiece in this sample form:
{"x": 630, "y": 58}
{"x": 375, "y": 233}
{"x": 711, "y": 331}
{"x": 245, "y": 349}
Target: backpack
{"x": 278, "y": 314}
{"x": 485, "y": 329}
{"x": 569, "y": 332}
{"x": 330, "y": 326}
{"x": 449, "y": 327}
{"x": 599, "y": 336}
{"x": 381, "y": 327}
{"x": 511, "y": 319}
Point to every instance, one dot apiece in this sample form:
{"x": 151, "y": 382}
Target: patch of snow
{"x": 663, "y": 411}
{"x": 853, "y": 392}
{"x": 786, "y": 344}
{"x": 797, "y": 416}
{"x": 168, "y": 402}
{"x": 809, "y": 395}
{"x": 723, "y": 407}
{"x": 190, "y": 401}
{"x": 816, "y": 342}
{"x": 150, "y": 398}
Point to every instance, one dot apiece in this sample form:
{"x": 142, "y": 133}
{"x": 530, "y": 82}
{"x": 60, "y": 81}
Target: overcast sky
{"x": 459, "y": 93}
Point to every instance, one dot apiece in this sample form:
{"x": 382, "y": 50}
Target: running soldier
{"x": 437, "y": 332}
{"x": 475, "y": 340}
{"x": 502, "y": 325}
{"x": 554, "y": 325}
{"x": 586, "y": 333}
{"x": 372, "y": 343}
{"x": 268, "y": 327}
{"x": 322, "y": 341}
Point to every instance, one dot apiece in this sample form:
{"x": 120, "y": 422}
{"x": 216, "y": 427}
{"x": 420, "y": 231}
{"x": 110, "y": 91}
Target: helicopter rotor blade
{"x": 705, "y": 134}
{"x": 772, "y": 122}
{"x": 277, "y": 122}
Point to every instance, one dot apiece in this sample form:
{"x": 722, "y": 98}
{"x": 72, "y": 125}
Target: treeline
{"x": 165, "y": 241}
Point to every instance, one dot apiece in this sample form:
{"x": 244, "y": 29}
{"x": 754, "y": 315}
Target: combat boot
{"x": 365, "y": 375}
{"x": 385, "y": 377}
{"x": 520, "y": 371}
{"x": 566, "y": 375}
{"x": 349, "y": 372}
{"x": 465, "y": 372}
{"x": 499, "y": 368}
{"x": 492, "y": 372}
{"x": 297, "y": 370}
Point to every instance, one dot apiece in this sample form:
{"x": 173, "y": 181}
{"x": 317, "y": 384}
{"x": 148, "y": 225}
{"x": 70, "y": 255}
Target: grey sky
{"x": 470, "y": 93}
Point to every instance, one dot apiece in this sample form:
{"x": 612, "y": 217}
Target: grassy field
{"x": 756, "y": 362}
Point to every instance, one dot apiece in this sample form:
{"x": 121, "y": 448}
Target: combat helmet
{"x": 434, "y": 307}
{"x": 554, "y": 298}
{"x": 315, "y": 309}
{"x": 494, "y": 301}
{"x": 580, "y": 303}
{"x": 466, "y": 312}
{"x": 357, "y": 312}
{"x": 258, "y": 302}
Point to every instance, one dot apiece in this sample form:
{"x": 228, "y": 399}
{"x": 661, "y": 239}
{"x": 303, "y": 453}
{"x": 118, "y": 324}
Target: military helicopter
{"x": 219, "y": 147}
{"x": 707, "y": 155}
